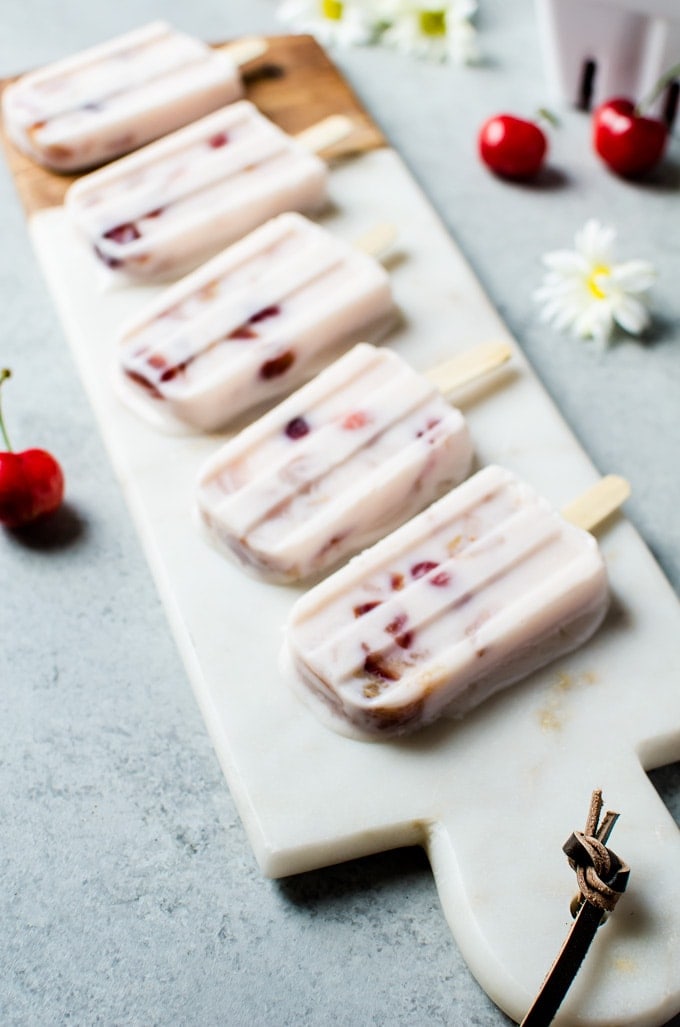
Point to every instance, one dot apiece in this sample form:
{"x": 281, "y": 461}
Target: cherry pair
{"x": 628, "y": 142}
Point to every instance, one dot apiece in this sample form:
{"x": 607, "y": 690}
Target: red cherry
{"x": 627, "y": 142}
{"x": 218, "y": 140}
{"x": 357, "y": 419}
{"x": 512, "y": 147}
{"x": 277, "y": 365}
{"x": 363, "y": 608}
{"x": 31, "y": 482}
{"x": 125, "y": 233}
{"x": 297, "y": 428}
{"x": 422, "y": 568}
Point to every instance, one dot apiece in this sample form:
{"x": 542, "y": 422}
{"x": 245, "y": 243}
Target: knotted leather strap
{"x": 602, "y": 878}
{"x": 601, "y": 875}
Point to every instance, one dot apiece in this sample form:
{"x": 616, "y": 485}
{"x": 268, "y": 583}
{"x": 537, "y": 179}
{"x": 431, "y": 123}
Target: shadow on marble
{"x": 61, "y": 530}
{"x": 549, "y": 179}
{"x": 660, "y": 332}
{"x": 663, "y": 179}
{"x": 355, "y": 877}
{"x": 666, "y": 780}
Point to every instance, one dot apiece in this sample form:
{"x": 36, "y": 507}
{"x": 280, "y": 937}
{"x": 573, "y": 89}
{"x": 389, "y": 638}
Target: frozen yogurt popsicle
{"x": 347, "y": 458}
{"x": 481, "y": 589}
{"x": 161, "y": 211}
{"x": 113, "y": 98}
{"x": 252, "y": 324}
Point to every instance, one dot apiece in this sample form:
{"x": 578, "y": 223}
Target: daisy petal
{"x": 462, "y": 45}
{"x": 631, "y": 315}
{"x": 634, "y": 276}
{"x": 595, "y": 242}
{"x": 566, "y": 262}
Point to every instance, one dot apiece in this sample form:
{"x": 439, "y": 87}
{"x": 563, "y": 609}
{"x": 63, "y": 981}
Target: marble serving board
{"x": 493, "y": 797}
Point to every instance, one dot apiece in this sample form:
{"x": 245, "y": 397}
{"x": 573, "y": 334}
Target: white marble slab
{"x": 492, "y": 798}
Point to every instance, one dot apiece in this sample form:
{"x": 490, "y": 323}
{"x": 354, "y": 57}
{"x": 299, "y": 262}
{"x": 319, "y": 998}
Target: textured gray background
{"x": 129, "y": 894}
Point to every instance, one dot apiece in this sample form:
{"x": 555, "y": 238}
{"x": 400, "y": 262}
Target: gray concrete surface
{"x": 129, "y": 894}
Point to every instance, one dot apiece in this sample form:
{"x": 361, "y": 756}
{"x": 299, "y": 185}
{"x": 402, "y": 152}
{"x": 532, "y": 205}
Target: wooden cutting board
{"x": 493, "y": 797}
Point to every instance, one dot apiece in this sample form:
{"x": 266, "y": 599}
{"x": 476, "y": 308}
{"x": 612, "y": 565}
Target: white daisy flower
{"x": 347, "y": 22}
{"x": 586, "y": 292}
{"x": 438, "y": 30}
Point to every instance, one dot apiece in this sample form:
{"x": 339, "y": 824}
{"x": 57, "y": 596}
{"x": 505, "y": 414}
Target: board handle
{"x": 468, "y": 366}
{"x": 597, "y": 503}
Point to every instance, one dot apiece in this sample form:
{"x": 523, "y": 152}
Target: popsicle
{"x": 251, "y": 324}
{"x": 161, "y": 211}
{"x": 346, "y": 459}
{"x": 108, "y": 100}
{"x": 485, "y": 586}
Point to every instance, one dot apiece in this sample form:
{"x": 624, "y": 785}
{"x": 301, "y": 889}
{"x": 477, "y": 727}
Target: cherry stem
{"x": 665, "y": 80}
{"x": 546, "y": 115}
{"x": 4, "y": 374}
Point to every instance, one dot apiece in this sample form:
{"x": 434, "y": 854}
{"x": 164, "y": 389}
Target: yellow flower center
{"x": 432, "y": 23}
{"x": 591, "y": 282}
{"x": 332, "y": 9}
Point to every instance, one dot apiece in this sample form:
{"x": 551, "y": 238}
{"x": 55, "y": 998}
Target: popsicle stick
{"x": 377, "y": 240}
{"x": 328, "y": 132}
{"x": 597, "y": 503}
{"x": 468, "y": 366}
{"x": 244, "y": 50}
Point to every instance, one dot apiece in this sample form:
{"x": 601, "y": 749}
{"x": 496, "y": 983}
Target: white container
{"x": 597, "y": 49}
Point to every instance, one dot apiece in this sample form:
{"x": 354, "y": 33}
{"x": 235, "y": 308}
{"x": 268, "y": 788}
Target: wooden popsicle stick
{"x": 241, "y": 51}
{"x": 325, "y": 133}
{"x": 377, "y": 240}
{"x": 597, "y": 503}
{"x": 468, "y": 366}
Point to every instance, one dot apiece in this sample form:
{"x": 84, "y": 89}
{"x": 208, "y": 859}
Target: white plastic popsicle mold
{"x": 597, "y": 49}
{"x": 494, "y": 796}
